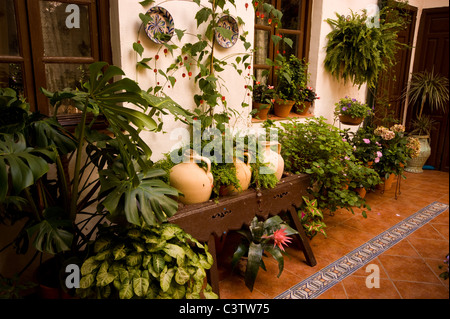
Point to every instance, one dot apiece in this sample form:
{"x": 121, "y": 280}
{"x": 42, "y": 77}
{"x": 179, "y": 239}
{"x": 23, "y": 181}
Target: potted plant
{"x": 263, "y": 98}
{"x": 425, "y": 87}
{"x": 351, "y": 111}
{"x": 396, "y": 152}
{"x": 307, "y": 98}
{"x": 269, "y": 236}
{"x": 143, "y": 262}
{"x": 357, "y": 51}
{"x": 291, "y": 76}
{"x": 317, "y": 148}
{"x": 311, "y": 218}
{"x": 115, "y": 169}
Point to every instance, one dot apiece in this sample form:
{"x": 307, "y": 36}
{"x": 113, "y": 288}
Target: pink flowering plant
{"x": 308, "y": 94}
{"x": 352, "y": 107}
{"x": 272, "y": 236}
{"x": 396, "y": 150}
{"x": 263, "y": 93}
{"x": 366, "y": 145}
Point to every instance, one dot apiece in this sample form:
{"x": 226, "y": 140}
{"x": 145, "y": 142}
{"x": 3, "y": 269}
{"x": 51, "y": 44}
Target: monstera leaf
{"x": 150, "y": 199}
{"x": 24, "y": 165}
{"x": 51, "y": 234}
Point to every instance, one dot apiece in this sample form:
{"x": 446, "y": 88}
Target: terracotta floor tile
{"x": 234, "y": 288}
{"x": 403, "y": 248}
{"x": 335, "y": 292}
{"x": 427, "y": 232}
{"x": 407, "y": 269}
{"x": 356, "y": 288}
{"x": 414, "y": 290}
{"x": 373, "y": 227}
{"x": 442, "y": 218}
{"x": 363, "y": 273}
{"x": 435, "y": 265}
{"x": 429, "y": 248}
{"x": 349, "y": 236}
{"x": 442, "y": 229}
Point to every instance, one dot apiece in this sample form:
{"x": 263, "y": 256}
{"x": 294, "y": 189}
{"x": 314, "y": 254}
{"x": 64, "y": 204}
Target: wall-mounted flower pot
{"x": 348, "y": 120}
{"x": 263, "y": 110}
{"x": 282, "y": 108}
{"x": 302, "y": 108}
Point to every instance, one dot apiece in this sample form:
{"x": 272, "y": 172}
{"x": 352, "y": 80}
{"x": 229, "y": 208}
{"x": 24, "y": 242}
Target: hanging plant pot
{"x": 282, "y": 108}
{"x": 302, "y": 108}
{"x": 263, "y": 111}
{"x": 348, "y": 120}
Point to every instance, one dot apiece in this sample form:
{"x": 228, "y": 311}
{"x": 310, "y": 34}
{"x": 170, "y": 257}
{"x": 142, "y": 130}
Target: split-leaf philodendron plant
{"x": 110, "y": 174}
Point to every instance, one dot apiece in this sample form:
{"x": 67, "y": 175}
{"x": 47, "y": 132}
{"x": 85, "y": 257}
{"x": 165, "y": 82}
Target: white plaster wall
{"x": 126, "y": 13}
{"x": 329, "y": 89}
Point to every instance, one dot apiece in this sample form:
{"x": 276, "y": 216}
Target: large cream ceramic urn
{"x": 273, "y": 159}
{"x": 193, "y": 181}
{"x": 243, "y": 174}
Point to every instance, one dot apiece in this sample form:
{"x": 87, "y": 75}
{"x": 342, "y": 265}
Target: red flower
{"x": 280, "y": 238}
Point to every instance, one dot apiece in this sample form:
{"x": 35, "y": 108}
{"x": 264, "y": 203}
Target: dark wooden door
{"x": 393, "y": 81}
{"x": 433, "y": 53}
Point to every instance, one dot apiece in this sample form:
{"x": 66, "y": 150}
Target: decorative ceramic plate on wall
{"x": 160, "y": 28}
{"x": 229, "y": 23}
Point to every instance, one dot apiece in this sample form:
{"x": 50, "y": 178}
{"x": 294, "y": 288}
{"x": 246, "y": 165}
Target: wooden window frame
{"x": 33, "y": 61}
{"x": 304, "y": 34}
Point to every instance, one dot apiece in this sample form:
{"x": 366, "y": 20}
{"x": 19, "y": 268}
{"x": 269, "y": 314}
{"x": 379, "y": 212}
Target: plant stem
{"x": 76, "y": 175}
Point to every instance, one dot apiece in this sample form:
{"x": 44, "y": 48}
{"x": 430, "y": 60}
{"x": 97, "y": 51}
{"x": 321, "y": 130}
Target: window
{"x": 50, "y": 44}
{"x": 295, "y": 25}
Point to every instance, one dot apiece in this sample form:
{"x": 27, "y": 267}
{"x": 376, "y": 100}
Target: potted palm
{"x": 425, "y": 87}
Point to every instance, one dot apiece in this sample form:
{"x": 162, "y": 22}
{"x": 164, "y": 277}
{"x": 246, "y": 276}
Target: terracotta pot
{"x": 263, "y": 111}
{"x": 243, "y": 174}
{"x": 415, "y": 165}
{"x": 274, "y": 159}
{"x": 361, "y": 191}
{"x": 282, "y": 108}
{"x": 348, "y": 120}
{"x": 302, "y": 108}
{"x": 189, "y": 178}
{"x": 387, "y": 183}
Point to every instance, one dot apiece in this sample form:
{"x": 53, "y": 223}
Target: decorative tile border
{"x": 317, "y": 284}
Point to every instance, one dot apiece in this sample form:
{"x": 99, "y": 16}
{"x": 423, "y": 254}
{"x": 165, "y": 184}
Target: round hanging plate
{"x": 229, "y": 23}
{"x": 160, "y": 28}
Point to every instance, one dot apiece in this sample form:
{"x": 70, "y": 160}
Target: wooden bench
{"x": 210, "y": 220}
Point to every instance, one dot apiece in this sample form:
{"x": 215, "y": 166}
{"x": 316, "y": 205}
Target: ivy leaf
{"x": 225, "y": 32}
{"x": 180, "y": 33}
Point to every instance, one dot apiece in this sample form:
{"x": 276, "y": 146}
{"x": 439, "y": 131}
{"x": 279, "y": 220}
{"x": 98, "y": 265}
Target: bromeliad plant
{"x": 142, "y": 262}
{"x": 111, "y": 176}
{"x": 271, "y": 236}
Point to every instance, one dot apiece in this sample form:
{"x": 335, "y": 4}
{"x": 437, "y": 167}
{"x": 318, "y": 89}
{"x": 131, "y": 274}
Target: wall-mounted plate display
{"x": 160, "y": 28}
{"x": 229, "y": 23}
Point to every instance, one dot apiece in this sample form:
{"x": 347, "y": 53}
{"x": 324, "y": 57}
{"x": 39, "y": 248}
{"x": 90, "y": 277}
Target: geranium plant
{"x": 366, "y": 145}
{"x": 272, "y": 236}
{"x": 352, "y": 107}
{"x": 263, "y": 93}
{"x": 308, "y": 94}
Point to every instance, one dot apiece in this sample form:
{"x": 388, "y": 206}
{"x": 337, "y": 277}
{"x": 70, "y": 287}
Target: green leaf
{"x": 87, "y": 281}
{"x": 203, "y": 15}
{"x": 166, "y": 278}
{"x": 126, "y": 290}
{"x": 175, "y": 251}
{"x": 140, "y": 286}
{"x": 119, "y": 252}
{"x": 254, "y": 261}
{"x": 104, "y": 279}
{"x": 49, "y": 234}
{"x": 181, "y": 276}
{"x": 138, "y": 48}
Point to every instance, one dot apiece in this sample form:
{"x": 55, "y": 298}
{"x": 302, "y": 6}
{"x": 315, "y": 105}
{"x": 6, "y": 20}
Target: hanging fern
{"x": 359, "y": 52}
